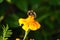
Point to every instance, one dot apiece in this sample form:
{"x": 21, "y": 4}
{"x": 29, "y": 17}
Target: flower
{"x": 29, "y": 23}
{"x": 17, "y": 39}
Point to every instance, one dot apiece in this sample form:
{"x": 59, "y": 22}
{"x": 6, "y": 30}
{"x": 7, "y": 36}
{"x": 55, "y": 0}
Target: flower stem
{"x": 26, "y": 33}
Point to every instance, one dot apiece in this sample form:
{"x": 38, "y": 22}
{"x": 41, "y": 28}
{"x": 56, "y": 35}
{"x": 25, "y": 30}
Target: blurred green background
{"x": 48, "y": 15}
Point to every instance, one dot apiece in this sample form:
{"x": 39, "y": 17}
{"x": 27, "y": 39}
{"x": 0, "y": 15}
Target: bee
{"x": 31, "y": 12}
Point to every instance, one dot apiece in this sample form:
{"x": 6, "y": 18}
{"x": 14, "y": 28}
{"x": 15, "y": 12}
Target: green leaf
{"x": 1, "y": 1}
{"x": 2, "y": 10}
{"x": 1, "y": 18}
{"x": 12, "y": 19}
{"x": 54, "y": 2}
{"x": 49, "y": 24}
{"x": 35, "y": 4}
{"x": 37, "y": 35}
{"x": 9, "y": 1}
{"x": 1, "y": 38}
{"x": 42, "y": 17}
{"x": 6, "y": 33}
{"x": 45, "y": 34}
{"x": 22, "y": 5}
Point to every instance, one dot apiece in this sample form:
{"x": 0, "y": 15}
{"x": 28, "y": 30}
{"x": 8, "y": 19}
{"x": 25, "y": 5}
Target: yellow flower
{"x": 17, "y": 39}
{"x": 29, "y": 23}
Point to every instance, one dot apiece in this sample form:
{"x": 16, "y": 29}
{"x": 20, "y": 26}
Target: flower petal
{"x": 21, "y": 21}
{"x": 34, "y": 26}
{"x": 25, "y": 27}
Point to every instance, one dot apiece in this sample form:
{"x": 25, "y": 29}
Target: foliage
{"x": 5, "y": 33}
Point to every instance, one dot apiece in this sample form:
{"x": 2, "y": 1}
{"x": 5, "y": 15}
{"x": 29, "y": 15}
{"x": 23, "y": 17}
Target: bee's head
{"x": 31, "y": 13}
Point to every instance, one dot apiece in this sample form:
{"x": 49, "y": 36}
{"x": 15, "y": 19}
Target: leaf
{"x": 1, "y": 18}
{"x": 22, "y": 5}
{"x": 38, "y": 35}
{"x": 6, "y": 33}
{"x": 42, "y": 17}
{"x": 1, "y": 1}
{"x": 45, "y": 34}
{"x": 9, "y": 1}
{"x": 49, "y": 24}
{"x": 54, "y": 2}
{"x": 35, "y": 4}
{"x": 1, "y": 38}
{"x": 12, "y": 19}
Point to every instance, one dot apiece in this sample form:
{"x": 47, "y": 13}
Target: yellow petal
{"x": 25, "y": 27}
{"x": 34, "y": 26}
{"x": 30, "y": 18}
{"x": 21, "y": 21}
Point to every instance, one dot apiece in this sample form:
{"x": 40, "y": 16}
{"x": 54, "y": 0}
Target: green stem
{"x": 26, "y": 33}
